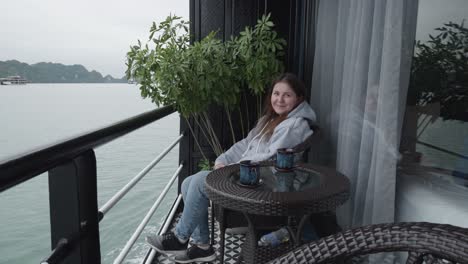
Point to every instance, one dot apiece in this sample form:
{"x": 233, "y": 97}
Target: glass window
{"x": 435, "y": 132}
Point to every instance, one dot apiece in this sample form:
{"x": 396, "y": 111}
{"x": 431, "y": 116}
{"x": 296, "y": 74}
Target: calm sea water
{"x": 36, "y": 114}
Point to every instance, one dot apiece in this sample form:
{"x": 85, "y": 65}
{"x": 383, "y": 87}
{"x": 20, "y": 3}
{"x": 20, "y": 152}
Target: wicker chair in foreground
{"x": 425, "y": 243}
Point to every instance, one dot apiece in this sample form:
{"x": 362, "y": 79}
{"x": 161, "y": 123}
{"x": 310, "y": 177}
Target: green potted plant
{"x": 440, "y": 72}
{"x": 439, "y": 83}
{"x": 193, "y": 77}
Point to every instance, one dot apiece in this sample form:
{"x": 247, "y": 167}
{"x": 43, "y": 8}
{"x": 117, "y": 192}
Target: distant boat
{"x": 13, "y": 80}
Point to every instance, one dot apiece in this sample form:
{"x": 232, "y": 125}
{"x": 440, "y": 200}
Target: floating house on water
{"x": 13, "y": 80}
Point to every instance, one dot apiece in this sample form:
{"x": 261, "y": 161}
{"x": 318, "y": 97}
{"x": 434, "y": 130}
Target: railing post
{"x": 73, "y": 209}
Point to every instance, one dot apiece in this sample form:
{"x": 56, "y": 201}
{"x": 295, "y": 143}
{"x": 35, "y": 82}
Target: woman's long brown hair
{"x": 270, "y": 118}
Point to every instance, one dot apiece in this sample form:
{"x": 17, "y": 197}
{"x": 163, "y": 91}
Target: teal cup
{"x": 285, "y": 180}
{"x": 285, "y": 159}
{"x": 249, "y": 172}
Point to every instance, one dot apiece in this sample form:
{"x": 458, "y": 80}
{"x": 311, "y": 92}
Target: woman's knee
{"x": 199, "y": 179}
{"x": 196, "y": 180}
{"x": 185, "y": 186}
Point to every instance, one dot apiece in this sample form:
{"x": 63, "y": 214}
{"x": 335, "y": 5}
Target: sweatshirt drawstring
{"x": 260, "y": 133}
{"x": 258, "y": 145}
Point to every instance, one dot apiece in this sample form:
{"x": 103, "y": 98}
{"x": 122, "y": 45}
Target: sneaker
{"x": 274, "y": 238}
{"x": 167, "y": 243}
{"x": 196, "y": 254}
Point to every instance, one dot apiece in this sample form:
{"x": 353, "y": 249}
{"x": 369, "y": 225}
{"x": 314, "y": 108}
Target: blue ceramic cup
{"x": 285, "y": 159}
{"x": 249, "y": 172}
{"x": 285, "y": 180}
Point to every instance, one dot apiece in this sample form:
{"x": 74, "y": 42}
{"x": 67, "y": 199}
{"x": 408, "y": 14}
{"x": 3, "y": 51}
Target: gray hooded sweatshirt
{"x": 287, "y": 134}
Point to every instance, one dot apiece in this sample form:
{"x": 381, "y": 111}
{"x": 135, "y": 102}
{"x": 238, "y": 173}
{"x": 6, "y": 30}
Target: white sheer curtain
{"x": 361, "y": 72}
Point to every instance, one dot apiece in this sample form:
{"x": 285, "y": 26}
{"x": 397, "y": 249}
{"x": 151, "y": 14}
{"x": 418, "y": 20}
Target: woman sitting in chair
{"x": 285, "y": 123}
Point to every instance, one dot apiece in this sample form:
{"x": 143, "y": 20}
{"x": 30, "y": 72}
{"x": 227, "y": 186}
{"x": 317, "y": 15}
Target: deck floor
{"x": 232, "y": 249}
{"x": 233, "y": 244}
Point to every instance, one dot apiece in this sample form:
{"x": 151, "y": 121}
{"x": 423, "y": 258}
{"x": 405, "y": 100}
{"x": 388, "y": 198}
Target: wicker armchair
{"x": 425, "y": 243}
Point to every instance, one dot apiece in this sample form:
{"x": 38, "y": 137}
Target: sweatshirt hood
{"x": 305, "y": 111}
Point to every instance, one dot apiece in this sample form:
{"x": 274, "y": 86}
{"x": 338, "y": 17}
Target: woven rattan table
{"x": 310, "y": 189}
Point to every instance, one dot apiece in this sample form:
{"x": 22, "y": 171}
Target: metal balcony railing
{"x": 146, "y": 219}
{"x": 71, "y": 165}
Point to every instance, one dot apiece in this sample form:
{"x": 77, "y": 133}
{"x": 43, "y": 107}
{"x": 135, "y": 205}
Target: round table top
{"x": 309, "y": 189}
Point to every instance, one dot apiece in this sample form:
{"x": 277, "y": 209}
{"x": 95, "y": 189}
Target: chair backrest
{"x": 301, "y": 147}
{"x": 310, "y": 141}
{"x": 422, "y": 240}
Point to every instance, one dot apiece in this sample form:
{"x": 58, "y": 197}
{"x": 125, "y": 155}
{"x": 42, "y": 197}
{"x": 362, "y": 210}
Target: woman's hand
{"x": 218, "y": 165}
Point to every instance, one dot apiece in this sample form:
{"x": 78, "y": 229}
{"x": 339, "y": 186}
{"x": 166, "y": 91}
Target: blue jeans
{"x": 194, "y": 220}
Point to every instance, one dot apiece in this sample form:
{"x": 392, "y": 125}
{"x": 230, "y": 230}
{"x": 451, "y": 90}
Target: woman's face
{"x": 283, "y": 98}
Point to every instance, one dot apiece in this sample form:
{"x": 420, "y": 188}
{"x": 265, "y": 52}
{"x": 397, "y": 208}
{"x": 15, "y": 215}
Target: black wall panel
{"x": 294, "y": 20}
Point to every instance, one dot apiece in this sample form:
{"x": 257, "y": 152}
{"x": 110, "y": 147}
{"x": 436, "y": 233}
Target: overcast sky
{"x": 94, "y": 33}
{"x": 434, "y": 13}
{"x": 97, "y": 33}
